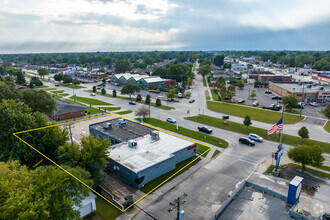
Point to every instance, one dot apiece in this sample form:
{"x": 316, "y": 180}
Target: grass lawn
{"x": 48, "y": 89}
{"x": 254, "y": 113}
{"x": 106, "y": 210}
{"x": 133, "y": 99}
{"x": 216, "y": 152}
{"x": 187, "y": 132}
{"x": 69, "y": 85}
{"x": 39, "y": 87}
{"x": 89, "y": 101}
{"x": 111, "y": 108}
{"x": 28, "y": 76}
{"x": 324, "y": 168}
{"x": 214, "y": 95}
{"x": 240, "y": 128}
{"x": 327, "y": 127}
{"x": 204, "y": 82}
{"x": 56, "y": 91}
{"x": 63, "y": 94}
{"x": 56, "y": 96}
{"x": 69, "y": 100}
{"x": 271, "y": 167}
{"x": 154, "y": 183}
{"x": 124, "y": 112}
{"x": 208, "y": 98}
{"x": 92, "y": 111}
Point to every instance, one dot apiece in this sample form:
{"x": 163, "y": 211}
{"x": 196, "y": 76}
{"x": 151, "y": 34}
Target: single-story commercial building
{"x": 141, "y": 154}
{"x": 322, "y": 77}
{"x": 67, "y": 110}
{"x": 312, "y": 94}
{"x": 274, "y": 78}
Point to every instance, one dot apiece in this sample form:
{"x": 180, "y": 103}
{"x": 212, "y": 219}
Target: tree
{"x": 148, "y": 60}
{"x": 171, "y": 94}
{"x": 122, "y": 66}
{"x": 42, "y": 72}
{"x": 326, "y": 111}
{"x": 138, "y": 98}
{"x": 220, "y": 82}
{"x": 160, "y": 72}
{"x": 58, "y": 77}
{"x": 223, "y": 92}
{"x": 104, "y": 81}
{"x": 219, "y": 60}
{"x": 51, "y": 190}
{"x": 290, "y": 102}
{"x": 303, "y": 133}
{"x": 36, "y": 81}
{"x": 240, "y": 84}
{"x": 189, "y": 82}
{"x": 249, "y": 66}
{"x": 20, "y": 79}
{"x": 16, "y": 116}
{"x": 143, "y": 111}
{"x": 39, "y": 100}
{"x": 67, "y": 79}
{"x": 307, "y": 155}
{"x": 148, "y": 99}
{"x": 253, "y": 94}
{"x": 266, "y": 84}
{"x": 8, "y": 91}
{"x": 31, "y": 85}
{"x": 231, "y": 91}
{"x": 130, "y": 89}
{"x": 179, "y": 72}
{"x": 247, "y": 121}
{"x": 94, "y": 89}
{"x": 204, "y": 70}
{"x": 90, "y": 155}
{"x": 158, "y": 102}
{"x": 103, "y": 91}
{"x": 75, "y": 82}
{"x": 114, "y": 93}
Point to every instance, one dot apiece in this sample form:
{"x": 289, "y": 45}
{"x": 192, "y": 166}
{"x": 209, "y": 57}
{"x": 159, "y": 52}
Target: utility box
{"x": 295, "y": 190}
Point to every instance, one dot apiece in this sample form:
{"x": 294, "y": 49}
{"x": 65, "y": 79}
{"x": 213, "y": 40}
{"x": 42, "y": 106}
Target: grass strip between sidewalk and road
{"x": 204, "y": 82}
{"x": 240, "y": 128}
{"x": 154, "y": 183}
{"x": 327, "y": 127}
{"x": 256, "y": 114}
{"x": 165, "y": 107}
{"x": 189, "y": 133}
{"x": 89, "y": 101}
{"x": 311, "y": 170}
{"x": 124, "y": 112}
{"x": 111, "y": 108}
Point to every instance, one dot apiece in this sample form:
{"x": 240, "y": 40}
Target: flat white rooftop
{"x": 148, "y": 152}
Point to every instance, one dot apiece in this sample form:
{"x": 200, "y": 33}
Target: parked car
{"x": 57, "y": 85}
{"x": 191, "y": 100}
{"x": 245, "y": 140}
{"x": 275, "y": 107}
{"x": 101, "y": 85}
{"x": 241, "y": 101}
{"x": 255, "y": 137}
{"x": 171, "y": 120}
{"x": 276, "y": 97}
{"x": 225, "y": 117}
{"x": 268, "y": 92}
{"x": 255, "y": 103}
{"x": 93, "y": 94}
{"x": 205, "y": 129}
{"x": 314, "y": 104}
{"x": 117, "y": 84}
{"x": 98, "y": 88}
{"x": 132, "y": 103}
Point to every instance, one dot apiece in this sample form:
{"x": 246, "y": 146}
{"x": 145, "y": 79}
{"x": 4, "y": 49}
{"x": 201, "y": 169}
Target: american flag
{"x": 276, "y": 127}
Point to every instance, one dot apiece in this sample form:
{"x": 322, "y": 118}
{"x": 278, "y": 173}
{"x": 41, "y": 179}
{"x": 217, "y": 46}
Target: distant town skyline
{"x": 34, "y": 26}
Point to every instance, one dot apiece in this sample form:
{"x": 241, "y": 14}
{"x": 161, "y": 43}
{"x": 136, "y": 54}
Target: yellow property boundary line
{"x": 15, "y": 134}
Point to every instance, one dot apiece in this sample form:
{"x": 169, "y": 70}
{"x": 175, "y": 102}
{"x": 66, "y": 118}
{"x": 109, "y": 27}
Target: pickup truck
{"x": 205, "y": 129}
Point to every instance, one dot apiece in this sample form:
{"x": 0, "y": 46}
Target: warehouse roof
{"x": 148, "y": 152}
{"x": 295, "y": 88}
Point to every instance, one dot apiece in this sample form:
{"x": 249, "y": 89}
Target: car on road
{"x": 98, "y": 88}
{"x": 225, "y": 117}
{"x": 191, "y": 100}
{"x": 255, "y": 137}
{"x": 92, "y": 94}
{"x": 171, "y": 120}
{"x": 314, "y": 104}
{"x": 268, "y": 92}
{"x": 276, "y": 97}
{"x": 101, "y": 85}
{"x": 57, "y": 85}
{"x": 246, "y": 140}
{"x": 255, "y": 103}
{"x": 241, "y": 101}
{"x": 205, "y": 129}
{"x": 132, "y": 103}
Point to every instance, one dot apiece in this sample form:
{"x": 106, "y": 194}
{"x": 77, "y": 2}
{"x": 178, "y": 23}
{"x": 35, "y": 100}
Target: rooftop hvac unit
{"x": 107, "y": 125}
{"x": 121, "y": 121}
{"x": 154, "y": 135}
{"x": 132, "y": 144}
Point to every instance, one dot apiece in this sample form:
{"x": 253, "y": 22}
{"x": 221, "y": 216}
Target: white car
{"x": 314, "y": 104}
{"x": 171, "y": 120}
{"x": 255, "y": 137}
{"x": 93, "y": 94}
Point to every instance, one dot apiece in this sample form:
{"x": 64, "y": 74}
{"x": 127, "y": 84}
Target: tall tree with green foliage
{"x": 307, "y": 155}
{"x": 114, "y": 93}
{"x": 189, "y": 82}
{"x": 122, "y": 66}
{"x": 240, "y": 84}
{"x": 158, "y": 102}
{"x": 148, "y": 99}
{"x": 67, "y": 79}
{"x": 290, "y": 102}
{"x": 138, "y": 98}
{"x": 219, "y": 60}
{"x": 44, "y": 193}
{"x": 36, "y": 81}
{"x": 223, "y": 92}
{"x": 204, "y": 70}
{"x": 42, "y": 72}
{"x": 231, "y": 91}
{"x": 220, "y": 82}
{"x": 8, "y": 91}
{"x": 94, "y": 89}
{"x": 20, "y": 79}
{"x": 39, "y": 100}
{"x": 253, "y": 94}
{"x": 130, "y": 89}
{"x": 142, "y": 112}
{"x": 247, "y": 121}
{"x": 303, "y": 133}
{"x": 58, "y": 77}
{"x": 103, "y": 91}
{"x": 326, "y": 111}
{"x": 171, "y": 94}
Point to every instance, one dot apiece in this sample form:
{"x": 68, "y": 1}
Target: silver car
{"x": 255, "y": 137}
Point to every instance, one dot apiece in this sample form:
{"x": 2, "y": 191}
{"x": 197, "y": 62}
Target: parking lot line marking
{"x": 247, "y": 161}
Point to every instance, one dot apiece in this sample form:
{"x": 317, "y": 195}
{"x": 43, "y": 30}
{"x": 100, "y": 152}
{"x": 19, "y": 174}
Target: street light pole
{"x": 302, "y": 99}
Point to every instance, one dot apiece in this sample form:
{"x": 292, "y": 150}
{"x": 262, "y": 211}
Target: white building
{"x": 87, "y": 206}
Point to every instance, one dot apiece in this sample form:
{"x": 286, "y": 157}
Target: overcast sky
{"x": 130, "y": 25}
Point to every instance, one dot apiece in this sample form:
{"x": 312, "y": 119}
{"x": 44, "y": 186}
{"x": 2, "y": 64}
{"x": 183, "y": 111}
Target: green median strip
{"x": 257, "y": 114}
{"x": 189, "y": 133}
{"x": 111, "y": 108}
{"x": 327, "y": 127}
{"x": 271, "y": 168}
{"x": 240, "y": 128}
{"x": 204, "y": 82}
{"x": 123, "y": 112}
{"x": 89, "y": 101}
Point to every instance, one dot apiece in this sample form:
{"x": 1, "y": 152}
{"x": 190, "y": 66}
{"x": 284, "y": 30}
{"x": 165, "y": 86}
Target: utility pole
{"x": 176, "y": 204}
{"x": 149, "y": 104}
{"x": 302, "y": 99}
{"x": 71, "y": 135}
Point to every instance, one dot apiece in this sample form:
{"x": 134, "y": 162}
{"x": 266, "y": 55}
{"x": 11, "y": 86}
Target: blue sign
{"x": 295, "y": 190}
